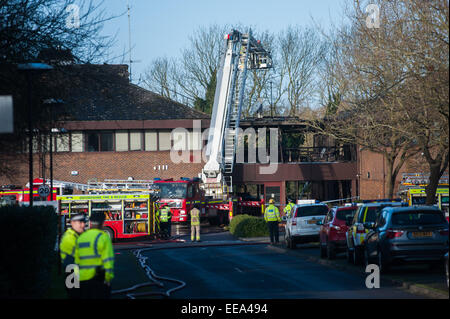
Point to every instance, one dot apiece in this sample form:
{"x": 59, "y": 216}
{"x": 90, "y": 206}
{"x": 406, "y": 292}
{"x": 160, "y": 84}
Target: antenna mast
{"x": 129, "y": 35}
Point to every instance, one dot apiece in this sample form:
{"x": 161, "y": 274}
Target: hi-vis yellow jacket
{"x": 272, "y": 214}
{"x": 94, "y": 252}
{"x": 67, "y": 246}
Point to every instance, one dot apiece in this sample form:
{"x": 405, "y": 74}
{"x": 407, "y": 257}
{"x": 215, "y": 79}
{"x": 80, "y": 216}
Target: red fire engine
{"x": 183, "y": 194}
{"x": 22, "y": 195}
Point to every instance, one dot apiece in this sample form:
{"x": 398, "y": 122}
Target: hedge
{"x": 27, "y": 250}
{"x": 248, "y": 226}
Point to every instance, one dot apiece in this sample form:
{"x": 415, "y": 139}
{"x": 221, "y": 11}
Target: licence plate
{"x": 312, "y": 221}
{"x": 422, "y": 234}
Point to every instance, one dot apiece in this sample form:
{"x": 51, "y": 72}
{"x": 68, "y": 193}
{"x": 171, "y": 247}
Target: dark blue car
{"x": 407, "y": 234}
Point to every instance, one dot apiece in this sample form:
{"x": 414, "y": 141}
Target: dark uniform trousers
{"x": 273, "y": 231}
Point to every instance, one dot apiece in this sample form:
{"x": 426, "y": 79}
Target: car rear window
{"x": 311, "y": 211}
{"x": 343, "y": 214}
{"x": 419, "y": 217}
{"x": 371, "y": 214}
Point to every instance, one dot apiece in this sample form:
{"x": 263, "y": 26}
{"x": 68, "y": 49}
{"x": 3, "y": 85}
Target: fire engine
{"x": 412, "y": 190}
{"x": 22, "y": 195}
{"x": 127, "y": 215}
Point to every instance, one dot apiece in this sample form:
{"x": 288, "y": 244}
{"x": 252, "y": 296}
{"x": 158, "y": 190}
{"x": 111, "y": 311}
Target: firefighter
{"x": 272, "y": 217}
{"x": 164, "y": 220}
{"x": 195, "y": 223}
{"x": 67, "y": 248}
{"x": 95, "y": 257}
{"x": 288, "y": 208}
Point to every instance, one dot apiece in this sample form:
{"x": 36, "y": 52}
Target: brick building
{"x": 116, "y": 130}
{"x": 112, "y": 130}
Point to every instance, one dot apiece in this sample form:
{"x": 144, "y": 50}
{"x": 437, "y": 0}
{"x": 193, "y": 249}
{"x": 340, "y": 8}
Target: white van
{"x": 302, "y": 226}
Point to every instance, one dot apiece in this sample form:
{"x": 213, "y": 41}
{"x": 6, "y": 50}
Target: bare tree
{"x": 159, "y": 77}
{"x": 365, "y": 90}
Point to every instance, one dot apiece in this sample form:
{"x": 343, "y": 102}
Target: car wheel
{"x": 287, "y": 240}
{"x": 367, "y": 260}
{"x": 331, "y": 252}
{"x": 323, "y": 252}
{"x": 382, "y": 264}
{"x": 357, "y": 256}
{"x": 349, "y": 256}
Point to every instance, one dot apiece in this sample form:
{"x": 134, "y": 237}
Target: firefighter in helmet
{"x": 164, "y": 215}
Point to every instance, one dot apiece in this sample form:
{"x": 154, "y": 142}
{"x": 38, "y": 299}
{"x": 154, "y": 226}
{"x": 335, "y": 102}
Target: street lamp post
{"x": 30, "y": 69}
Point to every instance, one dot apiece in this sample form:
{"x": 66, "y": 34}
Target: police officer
{"x": 288, "y": 208}
{"x": 195, "y": 223}
{"x": 68, "y": 245}
{"x": 95, "y": 257}
{"x": 272, "y": 217}
{"x": 164, "y": 220}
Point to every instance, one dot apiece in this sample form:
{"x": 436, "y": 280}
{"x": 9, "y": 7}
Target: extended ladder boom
{"x": 243, "y": 52}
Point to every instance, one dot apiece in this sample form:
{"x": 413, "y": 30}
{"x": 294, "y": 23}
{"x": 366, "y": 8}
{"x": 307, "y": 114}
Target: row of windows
{"x": 122, "y": 141}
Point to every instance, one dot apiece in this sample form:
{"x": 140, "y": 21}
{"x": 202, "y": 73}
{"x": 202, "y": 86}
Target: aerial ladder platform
{"x": 242, "y": 53}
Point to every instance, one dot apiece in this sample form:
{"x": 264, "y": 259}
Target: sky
{"x": 162, "y": 28}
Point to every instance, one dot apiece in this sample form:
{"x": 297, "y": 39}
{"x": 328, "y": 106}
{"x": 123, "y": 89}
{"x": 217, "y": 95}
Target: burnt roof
{"x": 104, "y": 93}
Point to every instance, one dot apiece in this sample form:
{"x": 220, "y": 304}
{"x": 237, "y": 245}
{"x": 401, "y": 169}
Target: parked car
{"x": 302, "y": 226}
{"x": 407, "y": 234}
{"x": 357, "y": 231}
{"x": 333, "y": 229}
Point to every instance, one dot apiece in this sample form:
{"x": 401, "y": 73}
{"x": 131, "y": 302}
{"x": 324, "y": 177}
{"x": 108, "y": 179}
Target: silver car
{"x": 407, "y": 234}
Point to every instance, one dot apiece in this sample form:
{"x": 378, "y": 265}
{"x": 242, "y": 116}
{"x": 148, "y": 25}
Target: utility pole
{"x": 129, "y": 36}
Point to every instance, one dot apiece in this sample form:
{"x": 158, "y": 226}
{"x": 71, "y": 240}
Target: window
{"x": 194, "y": 141}
{"x": 100, "y": 142}
{"x": 121, "y": 141}
{"x": 179, "y": 140}
{"x": 190, "y": 191}
{"x": 343, "y": 214}
{"x": 164, "y": 141}
{"x": 420, "y": 217}
{"x": 62, "y": 143}
{"x": 77, "y": 142}
{"x": 151, "y": 141}
{"x": 307, "y": 211}
{"x": 135, "y": 141}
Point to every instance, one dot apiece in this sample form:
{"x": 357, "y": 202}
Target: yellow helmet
{"x": 271, "y": 201}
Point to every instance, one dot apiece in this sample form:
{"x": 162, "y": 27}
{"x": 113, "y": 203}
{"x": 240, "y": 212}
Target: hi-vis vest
{"x": 272, "y": 214}
{"x": 94, "y": 250}
{"x": 67, "y": 246}
{"x": 195, "y": 217}
{"x": 288, "y": 209}
{"x": 164, "y": 215}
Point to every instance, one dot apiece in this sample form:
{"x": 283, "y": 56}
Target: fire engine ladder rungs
{"x": 231, "y": 133}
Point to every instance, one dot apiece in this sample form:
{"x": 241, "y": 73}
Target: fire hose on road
{"x": 153, "y": 280}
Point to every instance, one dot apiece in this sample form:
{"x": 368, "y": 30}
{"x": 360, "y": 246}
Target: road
{"x": 257, "y": 271}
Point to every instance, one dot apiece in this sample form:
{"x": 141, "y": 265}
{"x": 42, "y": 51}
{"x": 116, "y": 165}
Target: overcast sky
{"x": 162, "y": 28}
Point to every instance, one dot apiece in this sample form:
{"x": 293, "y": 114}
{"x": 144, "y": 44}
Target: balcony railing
{"x": 319, "y": 154}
